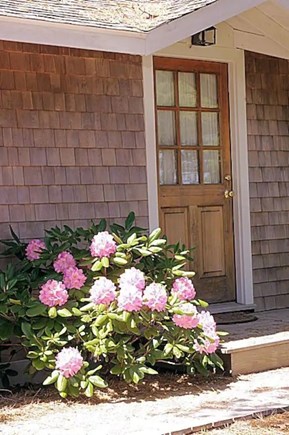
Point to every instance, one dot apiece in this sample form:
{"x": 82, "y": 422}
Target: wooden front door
{"x": 195, "y": 197}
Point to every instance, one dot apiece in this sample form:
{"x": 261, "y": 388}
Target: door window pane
{"x": 188, "y": 128}
{"x": 190, "y": 167}
{"x": 166, "y": 127}
{"x": 168, "y": 167}
{"x": 209, "y": 93}
{"x": 187, "y": 90}
{"x": 165, "y": 88}
{"x": 210, "y": 128}
{"x": 212, "y": 167}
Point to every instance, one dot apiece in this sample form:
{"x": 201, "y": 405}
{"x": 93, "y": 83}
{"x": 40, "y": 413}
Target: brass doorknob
{"x": 228, "y": 178}
{"x": 228, "y": 194}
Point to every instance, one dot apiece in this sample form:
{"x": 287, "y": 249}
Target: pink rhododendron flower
{"x": 155, "y": 297}
{"x": 132, "y": 277}
{"x": 130, "y": 298}
{"x": 102, "y": 245}
{"x": 69, "y": 361}
{"x": 208, "y": 324}
{"x": 184, "y": 289}
{"x": 189, "y": 319}
{"x": 64, "y": 261}
{"x": 34, "y": 248}
{"x": 74, "y": 278}
{"x": 53, "y": 293}
{"x": 102, "y": 291}
{"x": 207, "y": 346}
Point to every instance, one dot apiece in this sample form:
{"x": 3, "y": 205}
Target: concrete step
{"x": 256, "y": 354}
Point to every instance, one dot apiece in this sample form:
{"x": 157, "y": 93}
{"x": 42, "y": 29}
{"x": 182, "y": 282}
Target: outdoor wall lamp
{"x": 205, "y": 37}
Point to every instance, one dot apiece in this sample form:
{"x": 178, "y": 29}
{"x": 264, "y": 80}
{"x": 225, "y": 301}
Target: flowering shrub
{"x": 89, "y": 302}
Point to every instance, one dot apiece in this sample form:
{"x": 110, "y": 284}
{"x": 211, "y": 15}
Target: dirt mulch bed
{"x": 21, "y": 404}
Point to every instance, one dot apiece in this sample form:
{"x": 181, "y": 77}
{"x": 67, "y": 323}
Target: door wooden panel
{"x": 192, "y": 123}
{"x": 175, "y": 223}
{"x": 211, "y": 242}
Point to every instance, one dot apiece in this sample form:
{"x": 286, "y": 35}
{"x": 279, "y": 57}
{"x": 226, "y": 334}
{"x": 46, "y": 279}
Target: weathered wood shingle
{"x": 267, "y": 82}
{"x": 72, "y": 143}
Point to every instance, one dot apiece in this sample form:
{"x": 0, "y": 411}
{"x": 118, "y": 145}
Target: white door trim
{"x": 239, "y": 152}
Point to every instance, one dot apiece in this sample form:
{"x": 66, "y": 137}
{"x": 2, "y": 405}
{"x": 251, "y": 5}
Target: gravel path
{"x": 234, "y": 398}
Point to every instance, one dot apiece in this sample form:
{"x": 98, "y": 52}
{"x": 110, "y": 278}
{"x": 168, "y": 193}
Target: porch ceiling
{"x": 263, "y": 29}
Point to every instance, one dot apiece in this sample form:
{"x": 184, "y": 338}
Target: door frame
{"x": 239, "y": 152}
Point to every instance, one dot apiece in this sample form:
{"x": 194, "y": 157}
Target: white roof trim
{"x": 66, "y": 35}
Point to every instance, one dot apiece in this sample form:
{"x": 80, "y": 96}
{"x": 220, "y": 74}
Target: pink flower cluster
{"x": 132, "y": 277}
{"x": 53, "y": 293}
{"x": 102, "y": 245}
{"x": 63, "y": 262}
{"x": 102, "y": 291}
{"x": 73, "y": 277}
{"x": 184, "y": 289}
{"x": 211, "y": 342}
{"x": 34, "y": 248}
{"x": 189, "y": 319}
{"x": 208, "y": 324}
{"x": 69, "y": 361}
{"x": 130, "y": 299}
{"x": 131, "y": 283}
{"x": 155, "y": 297}
{"x": 207, "y": 346}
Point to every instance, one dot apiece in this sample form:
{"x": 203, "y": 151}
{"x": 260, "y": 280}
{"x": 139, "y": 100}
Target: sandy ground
{"x": 163, "y": 404}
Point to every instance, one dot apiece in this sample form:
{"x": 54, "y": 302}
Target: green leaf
{"x": 89, "y": 390}
{"x": 97, "y": 266}
{"x": 149, "y": 371}
{"x": 100, "y": 320}
{"x": 38, "y": 364}
{"x": 154, "y": 235}
{"x": 168, "y": 348}
{"x": 129, "y": 221}
{"x": 144, "y": 252}
{"x": 14, "y": 235}
{"x": 105, "y": 262}
{"x": 116, "y": 370}
{"x": 97, "y": 381}
{"x": 52, "y": 378}
{"x": 61, "y": 383}
{"x": 52, "y": 312}
{"x": 27, "y": 330}
{"x": 6, "y": 329}
{"x": 119, "y": 261}
{"x": 203, "y": 304}
{"x": 64, "y": 313}
{"x": 37, "y": 310}
{"x": 131, "y": 239}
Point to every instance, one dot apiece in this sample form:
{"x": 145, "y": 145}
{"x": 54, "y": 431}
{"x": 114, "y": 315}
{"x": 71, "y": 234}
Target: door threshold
{"x": 230, "y": 307}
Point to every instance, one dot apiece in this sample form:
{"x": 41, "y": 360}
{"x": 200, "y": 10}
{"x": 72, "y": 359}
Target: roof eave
{"x": 74, "y": 36}
{"x": 139, "y": 43}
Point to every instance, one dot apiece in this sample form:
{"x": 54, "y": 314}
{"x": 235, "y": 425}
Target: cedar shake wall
{"x": 72, "y": 145}
{"x": 268, "y": 141}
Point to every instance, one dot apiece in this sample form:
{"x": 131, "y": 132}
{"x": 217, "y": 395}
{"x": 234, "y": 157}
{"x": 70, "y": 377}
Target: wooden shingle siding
{"x": 72, "y": 144}
{"x": 268, "y": 141}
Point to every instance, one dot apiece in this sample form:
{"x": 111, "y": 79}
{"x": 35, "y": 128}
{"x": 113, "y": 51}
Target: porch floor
{"x": 259, "y": 345}
{"x": 267, "y": 323}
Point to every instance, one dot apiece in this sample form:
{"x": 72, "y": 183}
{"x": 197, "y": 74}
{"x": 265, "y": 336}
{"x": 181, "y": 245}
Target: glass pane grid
{"x": 188, "y": 129}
